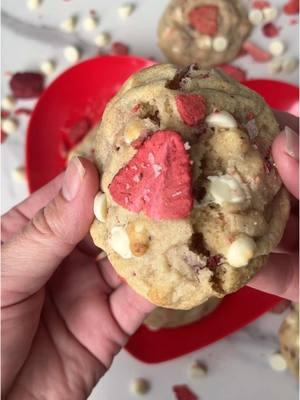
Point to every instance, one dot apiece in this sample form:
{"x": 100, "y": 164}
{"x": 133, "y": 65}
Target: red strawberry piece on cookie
{"x": 183, "y": 392}
{"x": 291, "y": 7}
{"x": 191, "y": 108}
{"x": 204, "y": 19}
{"x": 157, "y": 180}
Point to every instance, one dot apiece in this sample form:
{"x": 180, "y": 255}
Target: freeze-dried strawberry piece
{"x": 214, "y": 261}
{"x": 183, "y": 392}
{"x": 291, "y": 7}
{"x": 3, "y": 136}
{"x": 236, "y": 73}
{"x": 157, "y": 180}
{"x": 119, "y": 48}
{"x": 27, "y": 85}
{"x": 191, "y": 107}
{"x": 79, "y": 130}
{"x": 270, "y": 30}
{"x": 256, "y": 52}
{"x": 5, "y": 114}
{"x": 261, "y": 4}
{"x": 204, "y": 19}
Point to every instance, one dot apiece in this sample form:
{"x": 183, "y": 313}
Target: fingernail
{"x": 72, "y": 179}
{"x": 291, "y": 144}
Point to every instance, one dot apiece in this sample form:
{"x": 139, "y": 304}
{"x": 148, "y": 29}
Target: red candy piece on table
{"x": 291, "y": 7}
{"x": 119, "y": 48}
{"x": 157, "y": 180}
{"x": 236, "y": 73}
{"x": 27, "y": 85}
{"x": 183, "y": 392}
{"x": 270, "y": 30}
{"x": 191, "y": 108}
{"x": 204, "y": 19}
{"x": 256, "y": 52}
{"x": 261, "y": 4}
{"x": 3, "y": 136}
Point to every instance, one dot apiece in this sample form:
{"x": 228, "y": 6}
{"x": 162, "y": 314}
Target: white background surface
{"x": 238, "y": 365}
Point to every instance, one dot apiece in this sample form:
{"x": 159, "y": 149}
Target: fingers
{"x": 290, "y": 241}
{"x": 15, "y": 219}
{"x": 32, "y": 255}
{"x": 287, "y": 119}
{"x": 280, "y": 276}
{"x": 129, "y": 308}
{"x": 285, "y": 151}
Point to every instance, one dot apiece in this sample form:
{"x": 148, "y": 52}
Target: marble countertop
{"x": 238, "y": 365}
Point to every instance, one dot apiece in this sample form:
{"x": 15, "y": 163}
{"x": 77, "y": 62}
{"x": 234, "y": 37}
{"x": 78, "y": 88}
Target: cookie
{"x": 289, "y": 340}
{"x": 168, "y": 318}
{"x": 191, "y": 203}
{"x": 85, "y": 147}
{"x": 209, "y": 32}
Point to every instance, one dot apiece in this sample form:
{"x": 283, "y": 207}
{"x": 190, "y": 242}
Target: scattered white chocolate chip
{"x": 197, "y": 370}
{"x": 204, "y": 42}
{"x": 187, "y": 146}
{"x": 221, "y": 119}
{"x": 289, "y": 64}
{"x": 139, "y": 386}
{"x": 225, "y": 189}
{"x": 34, "y": 4}
{"x": 119, "y": 242}
{"x": 269, "y": 13}
{"x": 90, "y": 23}
{"x": 176, "y": 49}
{"x": 100, "y": 207}
{"x": 9, "y": 125}
{"x": 47, "y": 67}
{"x": 276, "y": 47}
{"x": 220, "y": 43}
{"x": 178, "y": 14}
{"x": 241, "y": 251}
{"x": 133, "y": 130}
{"x": 69, "y": 24}
{"x": 275, "y": 66}
{"x": 19, "y": 174}
{"x": 71, "y": 54}
{"x": 8, "y": 103}
{"x": 125, "y": 10}
{"x": 277, "y": 362}
{"x": 255, "y": 16}
{"x": 102, "y": 39}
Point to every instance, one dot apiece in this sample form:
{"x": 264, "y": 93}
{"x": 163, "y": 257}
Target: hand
{"x": 64, "y": 315}
{"x": 280, "y": 275}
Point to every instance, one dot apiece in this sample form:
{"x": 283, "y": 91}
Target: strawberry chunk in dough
{"x": 204, "y": 19}
{"x": 157, "y": 180}
{"x": 191, "y": 108}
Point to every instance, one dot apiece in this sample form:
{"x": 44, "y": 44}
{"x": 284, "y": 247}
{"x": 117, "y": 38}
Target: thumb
{"x": 31, "y": 256}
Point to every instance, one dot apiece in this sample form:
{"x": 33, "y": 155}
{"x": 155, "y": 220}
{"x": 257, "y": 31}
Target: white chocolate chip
{"x": 100, "y": 207}
{"x": 102, "y": 39}
{"x": 275, "y": 66}
{"x": 34, "y": 4}
{"x": 69, "y": 24}
{"x": 133, "y": 130}
{"x": 72, "y": 54}
{"x": 119, "y": 242}
{"x": 221, "y": 119}
{"x": 289, "y": 64}
{"x": 47, "y": 67}
{"x": 255, "y": 16}
{"x": 187, "y": 146}
{"x": 220, "y": 44}
{"x": 178, "y": 14}
{"x": 241, "y": 251}
{"x": 277, "y": 362}
{"x": 197, "y": 370}
{"x": 176, "y": 49}
{"x": 125, "y": 10}
{"x": 204, "y": 42}
{"x": 9, "y": 125}
{"x": 276, "y": 47}
{"x": 8, "y": 103}
{"x": 19, "y": 174}
{"x": 225, "y": 189}
{"x": 270, "y": 13}
{"x": 90, "y": 23}
{"x": 139, "y": 386}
